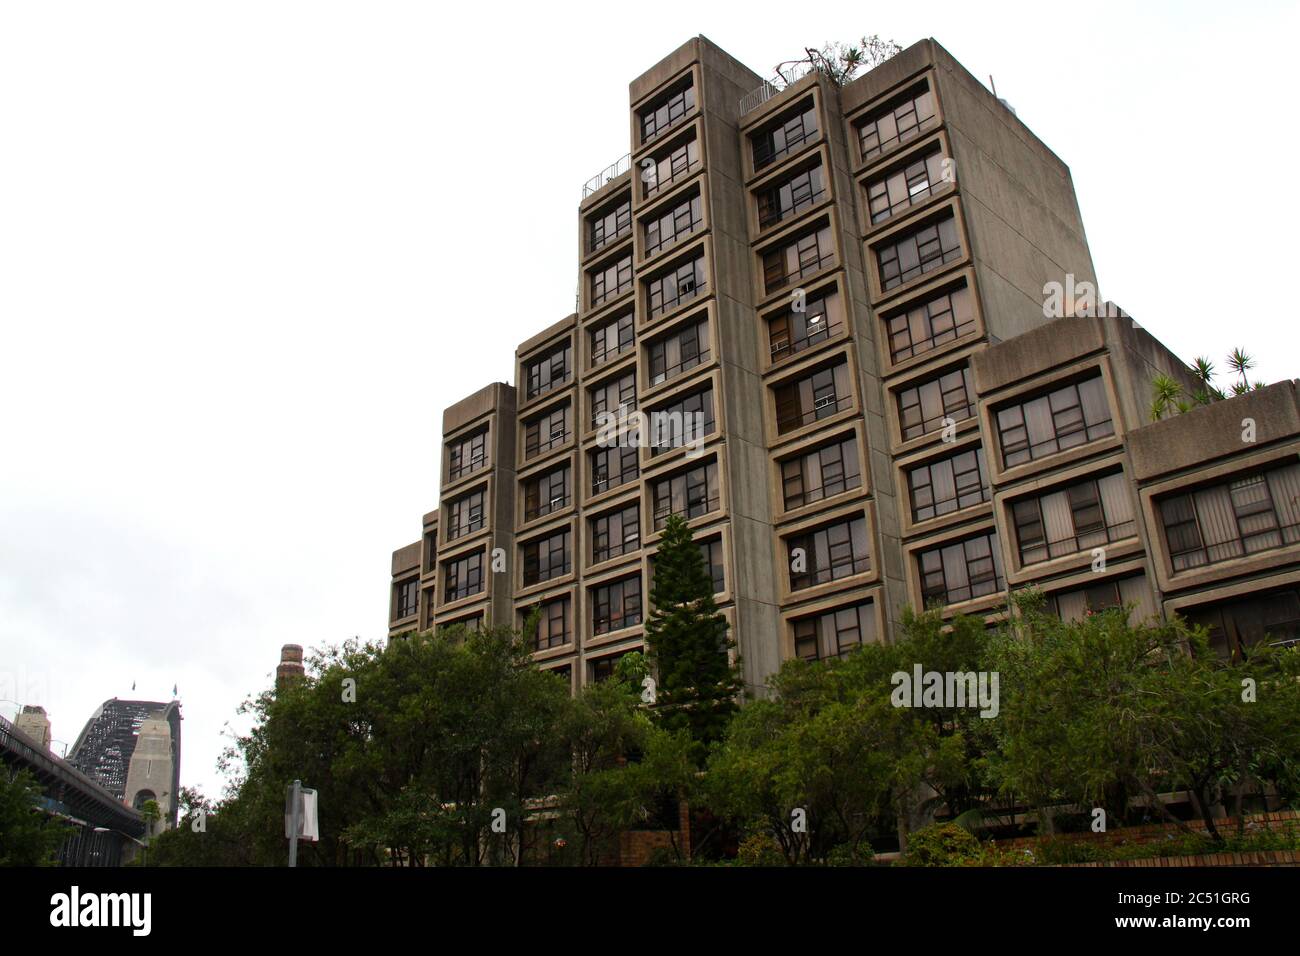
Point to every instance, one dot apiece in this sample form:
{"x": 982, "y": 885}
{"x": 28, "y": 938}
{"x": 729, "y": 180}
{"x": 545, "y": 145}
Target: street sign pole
{"x": 295, "y": 809}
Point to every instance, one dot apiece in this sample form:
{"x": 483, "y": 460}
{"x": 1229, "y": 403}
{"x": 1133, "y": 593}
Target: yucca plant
{"x": 1168, "y": 395}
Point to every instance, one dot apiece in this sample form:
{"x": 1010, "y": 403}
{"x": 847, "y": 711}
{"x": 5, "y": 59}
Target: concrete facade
{"x": 848, "y": 286}
{"x": 35, "y": 723}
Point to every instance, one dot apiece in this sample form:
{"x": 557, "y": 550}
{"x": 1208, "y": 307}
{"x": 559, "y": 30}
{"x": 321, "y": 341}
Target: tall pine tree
{"x": 688, "y": 643}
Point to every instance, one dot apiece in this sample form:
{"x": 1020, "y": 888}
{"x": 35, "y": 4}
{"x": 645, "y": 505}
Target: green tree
{"x": 688, "y": 643}
{"x": 830, "y": 743}
{"x": 624, "y": 766}
{"x": 28, "y": 835}
{"x": 1099, "y": 712}
{"x": 411, "y": 762}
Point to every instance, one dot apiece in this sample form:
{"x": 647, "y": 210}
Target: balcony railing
{"x": 832, "y": 572}
{"x": 1047, "y": 549}
{"x": 1268, "y": 539}
{"x": 607, "y": 175}
{"x": 770, "y": 88}
{"x": 823, "y": 407}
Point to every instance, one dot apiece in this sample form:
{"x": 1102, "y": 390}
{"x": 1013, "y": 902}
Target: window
{"x": 688, "y": 494}
{"x": 616, "y": 396}
{"x": 1237, "y": 625}
{"x": 946, "y": 317}
{"x": 890, "y": 194}
{"x": 546, "y": 493}
{"x": 785, "y": 136}
{"x": 828, "y": 554}
{"x": 790, "y": 332}
{"x": 794, "y": 260}
{"x": 947, "y": 485}
{"x": 1233, "y": 519}
{"x": 613, "y": 224}
{"x": 430, "y": 550}
{"x": 1061, "y": 419}
{"x": 835, "y": 633}
{"x": 547, "y": 431}
{"x": 671, "y": 166}
{"x": 1079, "y": 603}
{"x": 602, "y": 668}
{"x": 465, "y": 515}
{"x": 615, "y": 533}
{"x": 611, "y": 281}
{"x": 549, "y": 371}
{"x": 611, "y": 339}
{"x": 427, "y": 603}
{"x": 682, "y": 423}
{"x": 616, "y": 605}
{"x": 463, "y": 576}
{"x": 822, "y": 394}
{"x": 552, "y": 624}
{"x": 1083, "y": 516}
{"x": 684, "y": 349}
{"x": 924, "y": 407}
{"x": 711, "y": 551}
{"x": 668, "y": 113}
{"x": 546, "y": 558}
{"x": 820, "y": 473}
{"x": 471, "y": 622}
{"x": 900, "y": 121}
{"x": 961, "y": 571}
{"x": 408, "y": 598}
{"x": 677, "y": 223}
{"x": 612, "y": 467}
{"x": 791, "y": 197}
{"x": 467, "y": 455}
{"x": 671, "y": 289}
{"x": 917, "y": 252}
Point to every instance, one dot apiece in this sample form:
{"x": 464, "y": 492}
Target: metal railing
{"x": 771, "y": 87}
{"x": 607, "y": 175}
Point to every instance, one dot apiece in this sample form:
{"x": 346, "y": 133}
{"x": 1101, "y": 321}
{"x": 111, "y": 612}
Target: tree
{"x": 624, "y": 765}
{"x": 840, "y": 62}
{"x": 1098, "y": 712}
{"x": 828, "y": 759}
{"x": 28, "y": 835}
{"x": 442, "y": 731}
{"x": 688, "y": 643}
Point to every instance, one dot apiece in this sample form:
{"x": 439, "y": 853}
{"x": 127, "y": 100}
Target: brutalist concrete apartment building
{"x": 846, "y": 286}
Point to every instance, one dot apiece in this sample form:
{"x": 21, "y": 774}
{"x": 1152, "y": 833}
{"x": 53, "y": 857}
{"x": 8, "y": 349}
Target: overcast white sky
{"x": 249, "y": 251}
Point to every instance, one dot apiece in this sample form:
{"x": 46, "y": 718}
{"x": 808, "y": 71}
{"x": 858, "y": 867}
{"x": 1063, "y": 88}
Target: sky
{"x": 249, "y": 252}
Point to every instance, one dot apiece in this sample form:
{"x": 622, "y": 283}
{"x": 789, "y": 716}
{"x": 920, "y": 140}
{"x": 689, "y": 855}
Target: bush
{"x": 942, "y": 844}
{"x": 759, "y": 849}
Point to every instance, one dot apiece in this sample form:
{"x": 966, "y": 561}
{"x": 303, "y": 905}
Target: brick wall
{"x": 1257, "y": 858}
{"x": 1155, "y": 832}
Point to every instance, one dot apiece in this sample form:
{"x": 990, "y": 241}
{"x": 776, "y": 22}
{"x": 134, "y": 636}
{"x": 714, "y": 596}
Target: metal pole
{"x": 294, "y": 818}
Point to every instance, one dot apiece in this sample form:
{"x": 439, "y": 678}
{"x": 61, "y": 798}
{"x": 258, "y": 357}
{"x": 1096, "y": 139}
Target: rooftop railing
{"x": 607, "y": 175}
{"x": 771, "y": 87}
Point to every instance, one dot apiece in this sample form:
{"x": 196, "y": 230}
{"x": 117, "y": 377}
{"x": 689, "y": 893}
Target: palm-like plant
{"x": 1240, "y": 363}
{"x": 1167, "y": 394}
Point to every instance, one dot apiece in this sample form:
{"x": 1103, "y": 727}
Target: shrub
{"x": 942, "y": 844}
{"x": 759, "y": 849}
